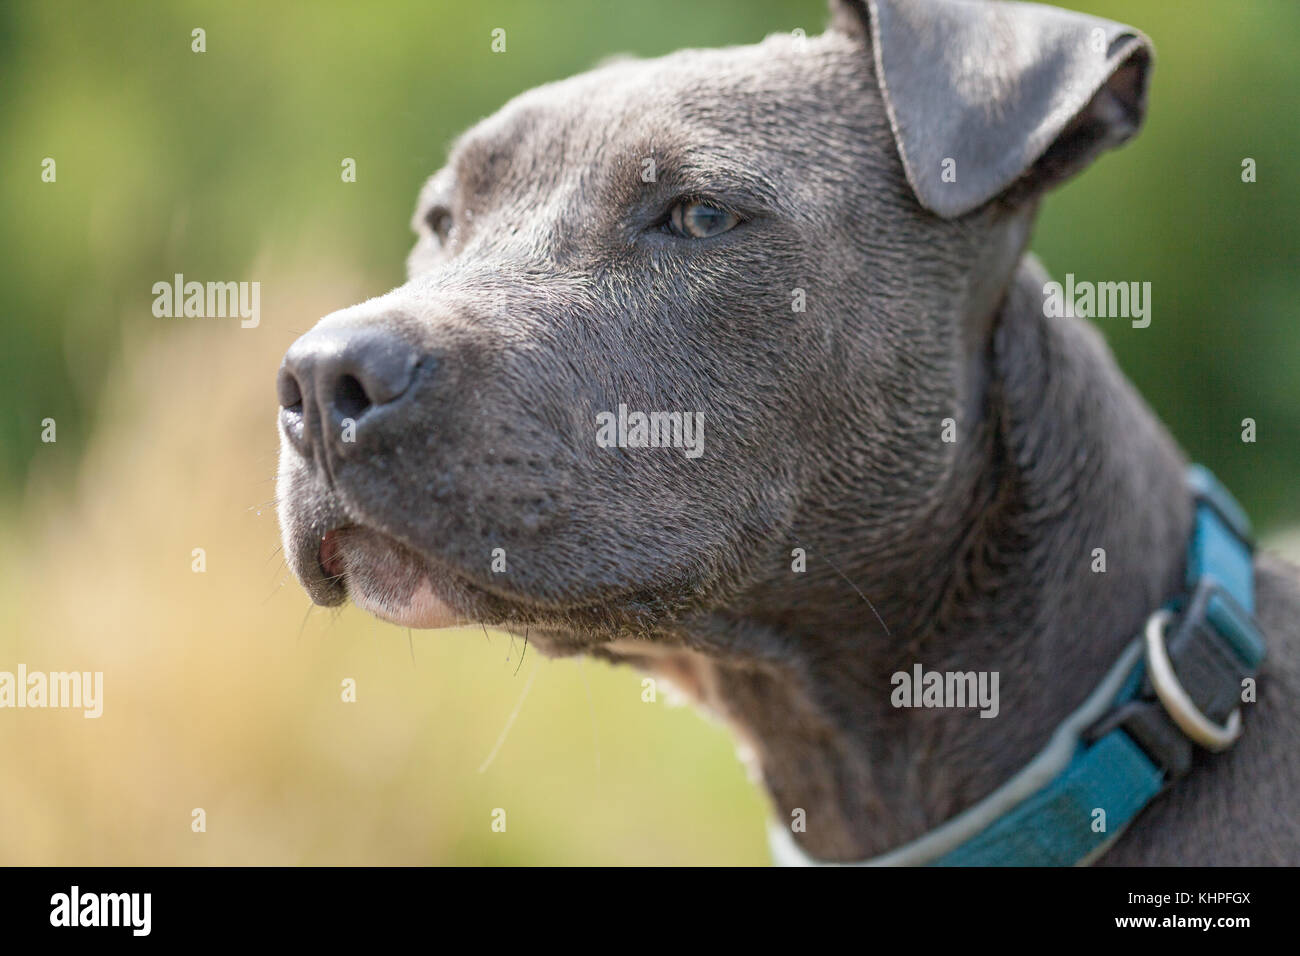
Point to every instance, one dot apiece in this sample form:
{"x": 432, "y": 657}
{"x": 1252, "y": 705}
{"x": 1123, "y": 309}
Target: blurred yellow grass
{"x": 223, "y": 692}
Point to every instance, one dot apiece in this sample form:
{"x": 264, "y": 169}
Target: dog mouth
{"x": 413, "y": 575}
{"x": 330, "y": 556}
{"x": 341, "y": 554}
{"x": 386, "y": 578}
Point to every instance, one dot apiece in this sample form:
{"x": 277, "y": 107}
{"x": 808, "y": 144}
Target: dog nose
{"x": 333, "y": 374}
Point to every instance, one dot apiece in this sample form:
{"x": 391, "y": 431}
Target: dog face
{"x": 738, "y": 241}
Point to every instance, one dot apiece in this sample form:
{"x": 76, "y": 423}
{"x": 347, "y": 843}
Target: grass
{"x": 223, "y": 691}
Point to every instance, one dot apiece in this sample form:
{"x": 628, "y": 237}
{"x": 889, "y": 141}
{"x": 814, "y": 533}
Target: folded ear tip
{"x": 1131, "y": 77}
{"x": 1118, "y": 107}
{"x": 1055, "y": 89}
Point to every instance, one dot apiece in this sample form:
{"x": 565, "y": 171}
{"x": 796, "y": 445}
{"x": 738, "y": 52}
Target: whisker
{"x": 279, "y": 582}
{"x": 524, "y": 654}
{"x": 860, "y": 594}
{"x": 510, "y": 721}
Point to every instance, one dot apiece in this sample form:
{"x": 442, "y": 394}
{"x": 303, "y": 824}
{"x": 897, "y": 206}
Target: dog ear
{"x": 987, "y": 98}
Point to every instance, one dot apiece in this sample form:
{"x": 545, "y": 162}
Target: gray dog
{"x": 732, "y": 365}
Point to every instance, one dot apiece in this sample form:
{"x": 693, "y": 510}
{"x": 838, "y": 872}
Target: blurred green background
{"x": 226, "y": 165}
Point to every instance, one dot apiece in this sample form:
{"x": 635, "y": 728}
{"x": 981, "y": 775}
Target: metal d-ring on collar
{"x": 1177, "y": 703}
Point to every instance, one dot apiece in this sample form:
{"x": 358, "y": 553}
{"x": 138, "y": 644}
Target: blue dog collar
{"x": 1175, "y": 687}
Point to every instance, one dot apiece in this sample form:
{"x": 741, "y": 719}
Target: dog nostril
{"x": 286, "y": 387}
{"x": 373, "y": 369}
{"x": 350, "y": 398}
{"x": 291, "y": 412}
{"x": 333, "y": 374}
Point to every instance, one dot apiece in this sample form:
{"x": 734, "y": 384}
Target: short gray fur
{"x": 553, "y": 298}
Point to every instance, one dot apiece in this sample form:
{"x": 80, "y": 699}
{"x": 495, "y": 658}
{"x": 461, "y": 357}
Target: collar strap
{"x": 1176, "y": 687}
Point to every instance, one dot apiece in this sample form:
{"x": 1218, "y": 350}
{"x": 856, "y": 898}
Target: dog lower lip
{"x": 384, "y": 577}
{"x": 330, "y": 558}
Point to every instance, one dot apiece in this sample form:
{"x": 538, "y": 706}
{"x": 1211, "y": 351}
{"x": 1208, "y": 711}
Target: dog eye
{"x": 698, "y": 220}
{"x": 439, "y": 221}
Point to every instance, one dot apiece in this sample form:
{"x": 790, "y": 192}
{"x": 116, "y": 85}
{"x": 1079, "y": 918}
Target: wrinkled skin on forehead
{"x": 554, "y": 294}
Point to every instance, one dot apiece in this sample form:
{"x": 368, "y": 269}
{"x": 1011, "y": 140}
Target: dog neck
{"x": 1003, "y": 576}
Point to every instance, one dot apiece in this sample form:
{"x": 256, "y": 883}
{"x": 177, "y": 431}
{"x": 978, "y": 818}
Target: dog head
{"x": 662, "y": 314}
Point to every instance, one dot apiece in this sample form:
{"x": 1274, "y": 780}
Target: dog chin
{"x": 385, "y": 578}
{"x": 422, "y": 608}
